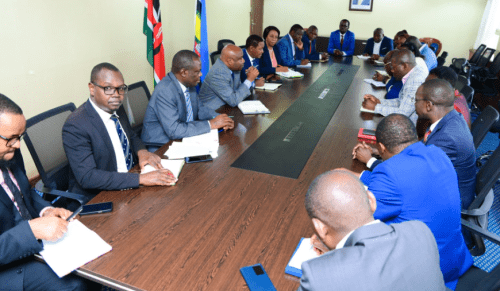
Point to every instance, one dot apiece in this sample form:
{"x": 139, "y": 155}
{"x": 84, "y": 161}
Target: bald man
{"x": 363, "y": 253}
{"x": 222, "y": 85}
{"x": 403, "y": 67}
{"x": 379, "y": 45}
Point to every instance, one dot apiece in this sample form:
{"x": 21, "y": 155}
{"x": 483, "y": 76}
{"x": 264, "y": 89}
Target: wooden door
{"x": 256, "y": 16}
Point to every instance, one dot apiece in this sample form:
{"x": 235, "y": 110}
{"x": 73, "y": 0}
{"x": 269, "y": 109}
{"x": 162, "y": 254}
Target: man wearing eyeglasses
{"x": 101, "y": 146}
{"x": 403, "y": 67}
{"x": 25, "y": 218}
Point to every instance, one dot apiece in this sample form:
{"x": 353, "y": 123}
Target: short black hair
{"x": 253, "y": 40}
{"x": 268, "y": 29}
{"x": 312, "y": 28}
{"x": 445, "y": 73}
{"x": 413, "y": 48}
{"x": 348, "y": 22}
{"x": 395, "y": 130}
{"x": 7, "y": 105}
{"x": 99, "y": 67}
{"x": 296, "y": 27}
{"x": 439, "y": 92}
{"x": 183, "y": 59}
{"x": 378, "y": 29}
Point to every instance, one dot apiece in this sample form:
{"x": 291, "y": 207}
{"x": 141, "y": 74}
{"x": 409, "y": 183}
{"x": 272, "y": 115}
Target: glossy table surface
{"x": 197, "y": 234}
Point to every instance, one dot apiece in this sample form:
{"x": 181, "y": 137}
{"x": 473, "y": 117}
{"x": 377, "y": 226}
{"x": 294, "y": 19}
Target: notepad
{"x": 375, "y": 83}
{"x": 175, "y": 166}
{"x": 379, "y": 63}
{"x": 77, "y": 247}
{"x": 253, "y": 107}
{"x": 363, "y": 57}
{"x": 269, "y": 87}
{"x": 304, "y": 66}
{"x": 303, "y": 252}
{"x": 198, "y": 145}
{"x": 382, "y": 72}
{"x": 290, "y": 74}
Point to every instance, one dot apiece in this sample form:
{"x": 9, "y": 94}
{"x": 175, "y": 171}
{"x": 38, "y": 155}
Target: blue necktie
{"x": 124, "y": 142}
{"x": 189, "y": 108}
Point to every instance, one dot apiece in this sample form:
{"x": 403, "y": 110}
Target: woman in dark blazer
{"x": 270, "y": 59}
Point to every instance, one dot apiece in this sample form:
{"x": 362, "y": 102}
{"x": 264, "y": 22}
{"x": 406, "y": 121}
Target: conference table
{"x": 197, "y": 234}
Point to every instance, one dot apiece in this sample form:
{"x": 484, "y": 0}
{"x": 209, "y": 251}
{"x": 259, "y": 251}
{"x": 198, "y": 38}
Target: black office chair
{"x": 214, "y": 56}
{"x": 485, "y": 58}
{"x": 222, "y": 43}
{"x": 483, "y": 123}
{"x": 475, "y": 219}
{"x": 461, "y": 82}
{"x": 135, "y": 104}
{"x": 44, "y": 141}
{"x": 442, "y": 59}
{"x": 477, "y": 54}
{"x": 468, "y": 93}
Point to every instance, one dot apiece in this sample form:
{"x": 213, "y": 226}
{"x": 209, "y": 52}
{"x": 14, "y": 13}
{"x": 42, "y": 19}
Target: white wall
{"x": 48, "y": 47}
{"x": 454, "y": 23}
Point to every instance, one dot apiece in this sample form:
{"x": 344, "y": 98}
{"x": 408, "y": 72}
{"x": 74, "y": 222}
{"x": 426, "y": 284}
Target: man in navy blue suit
{"x": 418, "y": 182}
{"x": 100, "y": 144}
{"x": 252, "y": 52}
{"x": 379, "y": 45}
{"x": 25, "y": 217}
{"x": 309, "y": 41}
{"x": 342, "y": 41}
{"x": 291, "y": 48}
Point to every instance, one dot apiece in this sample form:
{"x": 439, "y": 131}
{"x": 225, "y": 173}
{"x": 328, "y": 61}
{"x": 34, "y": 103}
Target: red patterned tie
{"x": 310, "y": 46}
{"x": 426, "y": 135}
{"x": 341, "y": 40}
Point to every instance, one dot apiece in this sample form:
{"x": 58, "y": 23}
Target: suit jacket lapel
{"x": 96, "y": 121}
{"x": 183, "y": 110}
{"x": 440, "y": 125}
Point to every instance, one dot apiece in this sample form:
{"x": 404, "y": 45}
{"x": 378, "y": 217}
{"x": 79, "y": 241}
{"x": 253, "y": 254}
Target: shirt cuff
{"x": 248, "y": 83}
{"x": 370, "y": 162}
{"x": 320, "y": 57}
{"x": 45, "y": 209}
{"x": 343, "y": 53}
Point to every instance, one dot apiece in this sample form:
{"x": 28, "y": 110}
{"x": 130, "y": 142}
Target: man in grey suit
{"x": 361, "y": 253}
{"x": 222, "y": 84}
{"x": 174, "y": 111}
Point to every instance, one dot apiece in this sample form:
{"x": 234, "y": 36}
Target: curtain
{"x": 489, "y": 25}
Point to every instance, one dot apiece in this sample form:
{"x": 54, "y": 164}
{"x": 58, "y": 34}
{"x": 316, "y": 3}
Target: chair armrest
{"x": 481, "y": 232}
{"x": 485, "y": 207}
{"x": 78, "y": 197}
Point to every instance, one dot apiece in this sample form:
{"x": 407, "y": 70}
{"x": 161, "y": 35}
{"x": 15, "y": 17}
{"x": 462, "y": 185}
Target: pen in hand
{"x": 75, "y": 213}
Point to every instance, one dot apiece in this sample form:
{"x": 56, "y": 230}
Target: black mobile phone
{"x": 368, "y": 131}
{"x": 198, "y": 159}
{"x": 257, "y": 278}
{"x": 97, "y": 208}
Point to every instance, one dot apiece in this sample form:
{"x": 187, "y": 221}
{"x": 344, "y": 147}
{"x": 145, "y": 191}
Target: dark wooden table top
{"x": 197, "y": 234}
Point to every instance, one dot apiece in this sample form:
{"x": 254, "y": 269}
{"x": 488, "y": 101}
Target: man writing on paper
{"x": 291, "y": 48}
{"x": 174, "y": 111}
{"x": 309, "y": 41}
{"x": 100, "y": 144}
{"x": 254, "y": 48}
{"x": 361, "y": 253}
{"x": 25, "y": 217}
{"x": 223, "y": 85}
{"x": 404, "y": 67}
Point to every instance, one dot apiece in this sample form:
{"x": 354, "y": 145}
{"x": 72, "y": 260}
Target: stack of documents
{"x": 304, "y": 66}
{"x": 78, "y": 246}
{"x": 253, "y": 107}
{"x": 290, "y": 74}
{"x": 198, "y": 145}
{"x": 375, "y": 83}
{"x": 303, "y": 252}
{"x": 269, "y": 86}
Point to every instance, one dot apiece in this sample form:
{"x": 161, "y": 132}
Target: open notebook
{"x": 302, "y": 253}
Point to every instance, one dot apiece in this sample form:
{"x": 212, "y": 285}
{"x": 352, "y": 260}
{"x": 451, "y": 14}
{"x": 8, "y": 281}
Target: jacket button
{"x": 19, "y": 271}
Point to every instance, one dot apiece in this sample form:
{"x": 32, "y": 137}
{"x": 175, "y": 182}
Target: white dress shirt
{"x": 343, "y": 240}
{"x": 376, "y": 47}
{"x": 110, "y": 125}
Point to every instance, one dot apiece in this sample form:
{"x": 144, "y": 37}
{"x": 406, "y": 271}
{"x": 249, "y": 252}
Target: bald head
{"x": 339, "y": 199}
{"x": 232, "y": 56}
{"x": 439, "y": 92}
{"x": 405, "y": 56}
{"x": 230, "y": 51}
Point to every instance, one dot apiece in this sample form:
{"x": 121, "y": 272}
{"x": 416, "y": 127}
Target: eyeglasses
{"x": 108, "y": 90}
{"x": 10, "y": 142}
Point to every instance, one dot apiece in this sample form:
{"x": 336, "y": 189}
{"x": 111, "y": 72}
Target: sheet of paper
{"x": 382, "y": 72}
{"x": 269, "y": 87}
{"x": 304, "y": 66}
{"x": 175, "y": 166}
{"x": 199, "y": 145}
{"x": 77, "y": 247}
{"x": 363, "y": 57}
{"x": 253, "y": 107}
{"x": 375, "y": 83}
{"x": 290, "y": 74}
{"x": 305, "y": 252}
{"x": 362, "y": 109}
{"x": 379, "y": 63}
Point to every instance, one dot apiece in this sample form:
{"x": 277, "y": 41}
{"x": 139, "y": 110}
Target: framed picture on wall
{"x": 361, "y": 5}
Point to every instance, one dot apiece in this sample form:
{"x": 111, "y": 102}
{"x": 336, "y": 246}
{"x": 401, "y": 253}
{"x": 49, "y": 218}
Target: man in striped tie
{"x": 174, "y": 111}
{"x": 100, "y": 144}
